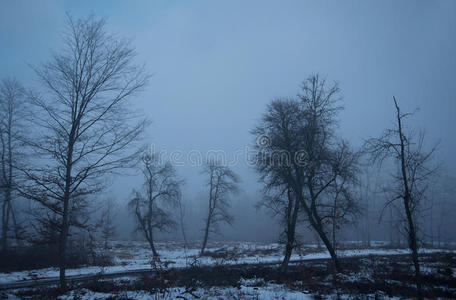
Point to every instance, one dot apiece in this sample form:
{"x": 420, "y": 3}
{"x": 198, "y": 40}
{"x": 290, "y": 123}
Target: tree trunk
{"x": 391, "y": 228}
{"x": 16, "y": 226}
{"x": 414, "y": 247}
{"x": 291, "y": 231}
{"x": 206, "y": 234}
{"x": 209, "y": 213}
{"x": 316, "y": 224}
{"x": 315, "y": 221}
{"x": 286, "y": 258}
{"x": 319, "y": 228}
{"x": 150, "y": 237}
{"x": 65, "y": 214}
{"x": 8, "y": 178}
{"x": 368, "y": 225}
{"x": 62, "y": 244}
{"x": 5, "y": 221}
{"x": 152, "y": 245}
{"x": 334, "y": 226}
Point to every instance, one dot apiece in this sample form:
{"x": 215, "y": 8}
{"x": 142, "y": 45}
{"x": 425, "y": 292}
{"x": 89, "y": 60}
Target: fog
{"x": 216, "y": 65}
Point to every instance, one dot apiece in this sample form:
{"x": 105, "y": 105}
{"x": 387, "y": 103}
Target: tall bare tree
{"x": 222, "y": 182}
{"x": 301, "y": 151}
{"x": 12, "y": 110}
{"x": 411, "y": 181}
{"x": 161, "y": 191}
{"x": 83, "y": 120}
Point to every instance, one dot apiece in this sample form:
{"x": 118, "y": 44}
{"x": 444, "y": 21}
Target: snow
{"x": 133, "y": 255}
{"x": 270, "y": 291}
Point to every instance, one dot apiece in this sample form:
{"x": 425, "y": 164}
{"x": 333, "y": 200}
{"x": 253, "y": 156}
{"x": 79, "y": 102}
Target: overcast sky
{"x": 216, "y": 64}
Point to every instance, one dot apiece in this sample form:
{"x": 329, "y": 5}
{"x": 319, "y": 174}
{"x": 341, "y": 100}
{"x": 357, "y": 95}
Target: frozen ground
{"x": 182, "y": 274}
{"x": 246, "y": 291}
{"x": 133, "y": 255}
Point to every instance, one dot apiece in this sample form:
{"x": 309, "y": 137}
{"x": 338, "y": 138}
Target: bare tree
{"x": 222, "y": 182}
{"x": 300, "y": 151}
{"x": 12, "y": 109}
{"x": 412, "y": 177}
{"x": 161, "y": 191}
{"x": 369, "y": 192}
{"x": 83, "y": 120}
{"x": 320, "y": 109}
{"x": 344, "y": 207}
{"x": 182, "y": 221}
{"x": 277, "y": 145}
{"x": 106, "y": 221}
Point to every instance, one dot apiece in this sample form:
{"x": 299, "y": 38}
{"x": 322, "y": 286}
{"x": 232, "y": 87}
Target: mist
{"x": 213, "y": 67}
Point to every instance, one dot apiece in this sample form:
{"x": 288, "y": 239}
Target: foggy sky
{"x": 216, "y": 65}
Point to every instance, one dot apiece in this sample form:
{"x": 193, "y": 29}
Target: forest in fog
{"x": 107, "y": 142}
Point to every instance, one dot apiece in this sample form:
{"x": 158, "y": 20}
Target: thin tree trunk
{"x": 391, "y": 227}
{"x": 206, "y": 233}
{"x": 414, "y": 247}
{"x": 432, "y": 223}
{"x": 334, "y": 225}
{"x": 16, "y": 226}
{"x": 319, "y": 228}
{"x": 412, "y": 239}
{"x": 149, "y": 224}
{"x": 209, "y": 214}
{"x": 151, "y": 243}
{"x": 5, "y": 222}
{"x": 367, "y": 218}
{"x": 182, "y": 225}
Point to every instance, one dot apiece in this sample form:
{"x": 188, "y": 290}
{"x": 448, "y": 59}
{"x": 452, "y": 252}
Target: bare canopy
{"x": 150, "y": 205}
{"x": 221, "y": 181}
{"x": 412, "y": 179}
{"x": 82, "y": 120}
{"x": 301, "y": 153}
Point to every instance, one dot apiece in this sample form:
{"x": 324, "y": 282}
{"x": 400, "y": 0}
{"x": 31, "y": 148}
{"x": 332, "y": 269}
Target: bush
{"x": 44, "y": 256}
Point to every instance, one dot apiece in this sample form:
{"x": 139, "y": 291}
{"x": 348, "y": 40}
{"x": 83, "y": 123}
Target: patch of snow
{"x": 134, "y": 255}
{"x": 270, "y": 291}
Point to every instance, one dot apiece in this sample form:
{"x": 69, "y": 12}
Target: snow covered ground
{"x": 134, "y": 255}
{"x": 270, "y": 291}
